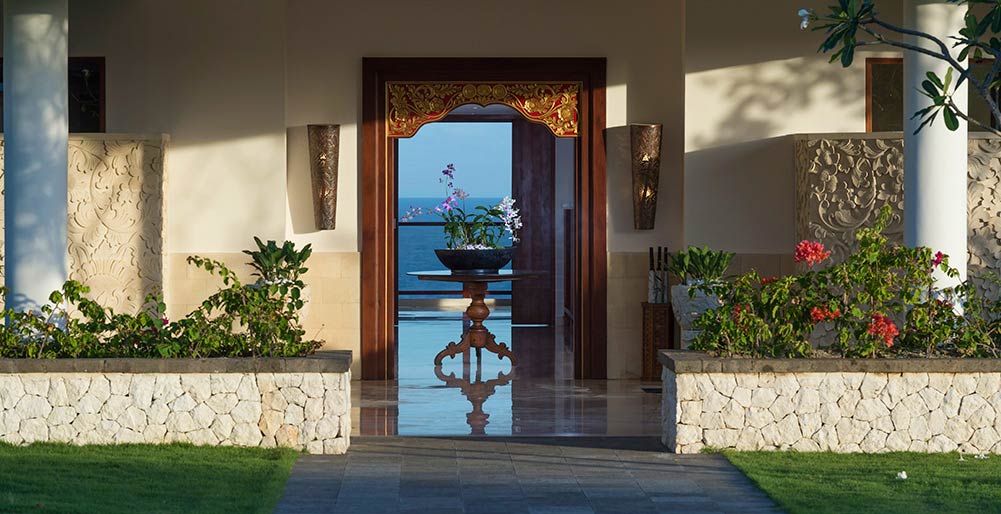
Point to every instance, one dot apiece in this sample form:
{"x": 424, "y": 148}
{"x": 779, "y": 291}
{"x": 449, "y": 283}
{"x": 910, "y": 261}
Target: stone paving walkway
{"x": 517, "y": 475}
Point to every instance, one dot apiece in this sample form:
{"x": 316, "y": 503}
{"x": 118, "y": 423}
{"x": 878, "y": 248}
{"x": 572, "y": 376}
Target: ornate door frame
{"x": 378, "y": 181}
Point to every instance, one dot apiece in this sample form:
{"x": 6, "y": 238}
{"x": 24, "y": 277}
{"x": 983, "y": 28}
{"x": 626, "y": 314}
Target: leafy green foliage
{"x": 851, "y": 24}
{"x": 699, "y": 264}
{"x": 478, "y": 228}
{"x": 239, "y": 320}
{"x": 862, "y": 300}
{"x": 273, "y": 263}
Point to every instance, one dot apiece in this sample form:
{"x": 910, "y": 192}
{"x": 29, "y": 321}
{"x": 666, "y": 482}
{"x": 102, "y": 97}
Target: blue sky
{"x": 481, "y": 153}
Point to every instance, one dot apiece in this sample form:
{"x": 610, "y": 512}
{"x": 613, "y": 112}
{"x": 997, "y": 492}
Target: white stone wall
{"x": 840, "y": 412}
{"x": 308, "y": 411}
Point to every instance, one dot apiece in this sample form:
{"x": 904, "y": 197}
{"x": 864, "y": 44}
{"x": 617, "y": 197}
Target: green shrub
{"x": 239, "y": 320}
{"x": 700, "y": 265}
{"x": 880, "y": 301}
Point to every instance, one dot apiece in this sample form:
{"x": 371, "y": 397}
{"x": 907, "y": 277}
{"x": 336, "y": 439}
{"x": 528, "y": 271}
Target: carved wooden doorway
{"x": 431, "y": 88}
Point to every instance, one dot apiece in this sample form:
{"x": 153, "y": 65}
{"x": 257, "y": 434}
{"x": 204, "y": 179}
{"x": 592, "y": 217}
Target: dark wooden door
{"x": 533, "y": 175}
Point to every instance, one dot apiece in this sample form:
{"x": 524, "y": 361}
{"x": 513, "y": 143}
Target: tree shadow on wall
{"x": 763, "y": 99}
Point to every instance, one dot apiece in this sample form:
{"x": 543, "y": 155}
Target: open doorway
{"x": 496, "y": 154}
{"x": 571, "y": 91}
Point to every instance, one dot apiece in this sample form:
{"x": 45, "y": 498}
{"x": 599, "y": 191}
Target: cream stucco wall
{"x": 210, "y": 74}
{"x": 642, "y": 40}
{"x": 753, "y": 77}
{"x": 234, "y": 83}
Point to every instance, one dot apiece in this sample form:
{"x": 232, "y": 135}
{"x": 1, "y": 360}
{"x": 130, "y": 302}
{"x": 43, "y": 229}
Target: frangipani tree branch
{"x": 849, "y": 17}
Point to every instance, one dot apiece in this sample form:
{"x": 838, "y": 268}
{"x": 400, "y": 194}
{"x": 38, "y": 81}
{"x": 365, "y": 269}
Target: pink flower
{"x": 937, "y": 261}
{"x": 811, "y": 252}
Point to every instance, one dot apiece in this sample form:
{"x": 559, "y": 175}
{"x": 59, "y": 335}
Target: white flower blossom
{"x": 902, "y": 475}
{"x": 806, "y": 16}
{"x": 510, "y": 217}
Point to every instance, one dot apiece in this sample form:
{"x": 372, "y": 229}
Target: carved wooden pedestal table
{"x": 474, "y": 285}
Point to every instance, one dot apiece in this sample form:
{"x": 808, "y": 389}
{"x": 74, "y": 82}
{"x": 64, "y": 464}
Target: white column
{"x": 935, "y": 159}
{"x": 36, "y": 132}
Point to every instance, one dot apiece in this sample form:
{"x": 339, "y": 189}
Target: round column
{"x": 36, "y": 131}
{"x": 935, "y": 159}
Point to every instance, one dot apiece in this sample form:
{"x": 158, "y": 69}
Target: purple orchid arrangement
{"x": 481, "y": 228}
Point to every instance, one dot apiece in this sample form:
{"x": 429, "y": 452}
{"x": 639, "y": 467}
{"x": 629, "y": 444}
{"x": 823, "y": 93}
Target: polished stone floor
{"x": 538, "y": 397}
{"x": 586, "y": 475}
{"x": 614, "y": 463}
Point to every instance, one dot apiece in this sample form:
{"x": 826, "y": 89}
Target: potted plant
{"x": 698, "y": 270}
{"x": 473, "y": 237}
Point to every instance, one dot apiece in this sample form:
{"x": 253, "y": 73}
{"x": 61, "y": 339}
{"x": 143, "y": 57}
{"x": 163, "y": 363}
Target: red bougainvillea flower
{"x": 944, "y": 304}
{"x": 811, "y": 252}
{"x": 821, "y": 314}
{"x": 939, "y": 257}
{"x": 768, "y": 280}
{"x": 882, "y": 327}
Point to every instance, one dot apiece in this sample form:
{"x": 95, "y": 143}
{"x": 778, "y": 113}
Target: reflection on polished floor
{"x": 536, "y": 398}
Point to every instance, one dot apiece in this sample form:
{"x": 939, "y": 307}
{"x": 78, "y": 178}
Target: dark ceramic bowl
{"x": 475, "y": 261}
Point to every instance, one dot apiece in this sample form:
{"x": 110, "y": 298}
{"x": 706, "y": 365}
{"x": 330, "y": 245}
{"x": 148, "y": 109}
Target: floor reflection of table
{"x": 475, "y": 286}
{"x": 476, "y": 391}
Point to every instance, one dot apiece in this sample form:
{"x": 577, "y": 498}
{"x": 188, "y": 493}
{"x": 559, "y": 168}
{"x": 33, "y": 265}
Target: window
{"x": 884, "y": 105}
{"x": 86, "y": 94}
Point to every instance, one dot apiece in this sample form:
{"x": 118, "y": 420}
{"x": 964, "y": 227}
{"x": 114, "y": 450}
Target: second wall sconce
{"x": 324, "y": 143}
{"x": 644, "y": 142}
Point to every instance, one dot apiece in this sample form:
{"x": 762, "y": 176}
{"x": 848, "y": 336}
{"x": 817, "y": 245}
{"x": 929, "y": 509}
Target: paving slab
{"x": 530, "y": 475}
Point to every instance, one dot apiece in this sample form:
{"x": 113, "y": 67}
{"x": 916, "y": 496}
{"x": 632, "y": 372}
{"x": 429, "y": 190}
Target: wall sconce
{"x": 644, "y": 141}
{"x": 324, "y": 143}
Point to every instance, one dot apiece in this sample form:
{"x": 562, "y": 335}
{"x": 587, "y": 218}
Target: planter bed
{"x": 301, "y": 403}
{"x": 837, "y": 405}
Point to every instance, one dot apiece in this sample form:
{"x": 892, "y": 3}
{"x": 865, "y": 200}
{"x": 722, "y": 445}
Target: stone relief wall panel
{"x": 116, "y": 217}
{"x": 842, "y": 183}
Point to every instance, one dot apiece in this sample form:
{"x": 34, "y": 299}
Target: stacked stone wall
{"x": 307, "y": 410}
{"x": 839, "y": 411}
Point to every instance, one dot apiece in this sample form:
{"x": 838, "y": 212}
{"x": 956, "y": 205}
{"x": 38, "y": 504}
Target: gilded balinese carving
{"x": 116, "y": 217}
{"x": 842, "y": 183}
{"x": 324, "y": 143}
{"x": 413, "y": 104}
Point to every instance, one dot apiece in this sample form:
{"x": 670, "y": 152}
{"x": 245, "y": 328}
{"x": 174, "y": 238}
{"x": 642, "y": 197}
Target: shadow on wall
{"x": 36, "y": 159}
{"x": 619, "y": 179}
{"x": 298, "y": 182}
{"x": 742, "y": 197}
{"x": 750, "y": 102}
{"x": 724, "y": 33}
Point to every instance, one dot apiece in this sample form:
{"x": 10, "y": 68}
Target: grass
{"x": 858, "y": 483}
{"x": 51, "y": 478}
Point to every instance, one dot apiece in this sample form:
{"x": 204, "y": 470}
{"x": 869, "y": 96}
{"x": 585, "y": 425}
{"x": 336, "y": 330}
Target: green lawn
{"x": 842, "y": 483}
{"x": 141, "y": 478}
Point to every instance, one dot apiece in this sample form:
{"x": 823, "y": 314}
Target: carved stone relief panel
{"x": 843, "y": 182}
{"x": 116, "y": 217}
